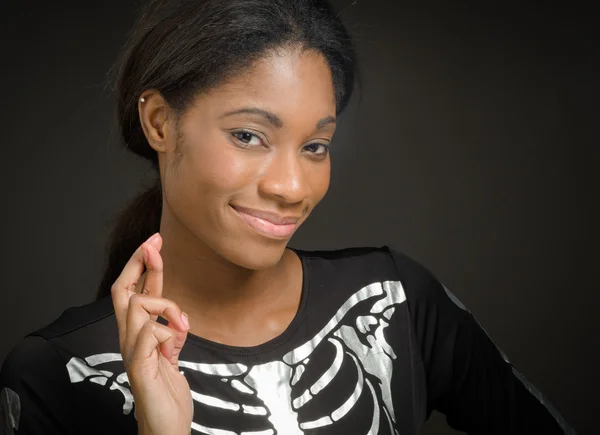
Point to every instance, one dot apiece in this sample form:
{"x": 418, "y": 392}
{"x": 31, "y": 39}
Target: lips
{"x": 268, "y": 223}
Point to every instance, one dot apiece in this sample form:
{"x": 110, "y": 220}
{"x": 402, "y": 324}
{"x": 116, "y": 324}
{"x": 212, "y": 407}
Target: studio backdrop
{"x": 471, "y": 147}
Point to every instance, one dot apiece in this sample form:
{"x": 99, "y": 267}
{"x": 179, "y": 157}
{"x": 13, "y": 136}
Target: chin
{"x": 254, "y": 255}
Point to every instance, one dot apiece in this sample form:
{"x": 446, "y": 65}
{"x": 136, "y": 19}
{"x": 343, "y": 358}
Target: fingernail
{"x": 152, "y": 237}
{"x": 185, "y": 320}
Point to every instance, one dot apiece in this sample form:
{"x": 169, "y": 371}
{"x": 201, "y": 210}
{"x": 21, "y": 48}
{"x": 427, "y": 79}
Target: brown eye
{"x": 246, "y": 138}
{"x": 318, "y": 149}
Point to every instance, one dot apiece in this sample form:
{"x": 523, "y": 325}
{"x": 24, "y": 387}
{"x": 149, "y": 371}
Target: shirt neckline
{"x": 275, "y": 342}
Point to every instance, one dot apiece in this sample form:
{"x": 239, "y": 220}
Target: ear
{"x": 155, "y": 118}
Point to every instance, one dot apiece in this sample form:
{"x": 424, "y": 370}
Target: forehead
{"x": 287, "y": 82}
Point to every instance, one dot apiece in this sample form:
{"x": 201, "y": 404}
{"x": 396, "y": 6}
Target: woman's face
{"x": 248, "y": 162}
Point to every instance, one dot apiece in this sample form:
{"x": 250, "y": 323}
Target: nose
{"x": 285, "y": 177}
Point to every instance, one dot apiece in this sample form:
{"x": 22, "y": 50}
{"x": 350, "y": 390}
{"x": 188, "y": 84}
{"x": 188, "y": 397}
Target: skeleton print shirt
{"x": 376, "y": 345}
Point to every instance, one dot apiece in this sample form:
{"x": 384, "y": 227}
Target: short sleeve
{"x": 469, "y": 379}
{"x": 35, "y": 392}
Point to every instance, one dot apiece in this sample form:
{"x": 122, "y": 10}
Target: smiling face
{"x": 248, "y": 161}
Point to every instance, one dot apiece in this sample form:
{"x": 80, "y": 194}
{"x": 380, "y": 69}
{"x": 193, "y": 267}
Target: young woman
{"x": 206, "y": 321}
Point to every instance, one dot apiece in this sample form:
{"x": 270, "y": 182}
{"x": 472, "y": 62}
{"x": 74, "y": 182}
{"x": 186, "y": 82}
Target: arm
{"x": 468, "y": 377}
{"x": 35, "y": 391}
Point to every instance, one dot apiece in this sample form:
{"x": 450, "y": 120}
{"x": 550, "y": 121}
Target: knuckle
{"x": 136, "y": 300}
{"x": 114, "y": 288}
{"x": 148, "y": 327}
{"x": 131, "y": 286}
{"x": 170, "y": 304}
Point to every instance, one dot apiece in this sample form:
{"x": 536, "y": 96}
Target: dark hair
{"x": 182, "y": 47}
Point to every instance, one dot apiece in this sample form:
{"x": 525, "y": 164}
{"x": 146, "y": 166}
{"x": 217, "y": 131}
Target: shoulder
{"x": 76, "y": 318}
{"x": 27, "y": 354}
{"x": 36, "y": 377}
{"x": 418, "y": 281}
{"x": 385, "y": 261}
{"x": 35, "y": 393}
{"x": 345, "y": 271}
{"x": 72, "y": 321}
{"x": 66, "y": 373}
{"x": 77, "y": 332}
{"x": 32, "y": 365}
{"x": 360, "y": 266}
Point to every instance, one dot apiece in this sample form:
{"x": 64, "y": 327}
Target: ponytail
{"x": 133, "y": 225}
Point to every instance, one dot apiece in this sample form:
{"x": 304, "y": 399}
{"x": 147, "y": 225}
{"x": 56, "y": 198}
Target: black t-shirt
{"x": 376, "y": 345}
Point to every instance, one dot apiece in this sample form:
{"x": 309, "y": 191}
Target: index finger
{"x": 124, "y": 287}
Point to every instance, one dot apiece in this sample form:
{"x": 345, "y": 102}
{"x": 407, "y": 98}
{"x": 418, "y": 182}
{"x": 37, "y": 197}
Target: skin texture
{"x": 238, "y": 286}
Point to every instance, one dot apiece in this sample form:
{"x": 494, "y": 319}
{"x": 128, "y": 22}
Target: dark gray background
{"x": 472, "y": 150}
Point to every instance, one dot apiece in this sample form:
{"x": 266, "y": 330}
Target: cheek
{"x": 216, "y": 168}
{"x": 319, "y": 178}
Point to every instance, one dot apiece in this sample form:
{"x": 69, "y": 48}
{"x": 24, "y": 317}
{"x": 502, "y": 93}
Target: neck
{"x": 213, "y": 291}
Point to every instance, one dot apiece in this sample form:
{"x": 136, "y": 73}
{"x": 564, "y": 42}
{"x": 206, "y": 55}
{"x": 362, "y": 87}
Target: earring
{"x": 143, "y": 100}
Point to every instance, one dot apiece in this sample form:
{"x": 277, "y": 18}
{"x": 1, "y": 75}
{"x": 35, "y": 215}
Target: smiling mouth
{"x": 262, "y": 222}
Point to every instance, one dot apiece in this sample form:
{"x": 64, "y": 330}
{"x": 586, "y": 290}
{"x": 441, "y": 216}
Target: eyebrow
{"x": 274, "y": 119}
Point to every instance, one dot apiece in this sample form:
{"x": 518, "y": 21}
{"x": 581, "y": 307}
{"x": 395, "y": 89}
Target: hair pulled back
{"x": 182, "y": 47}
